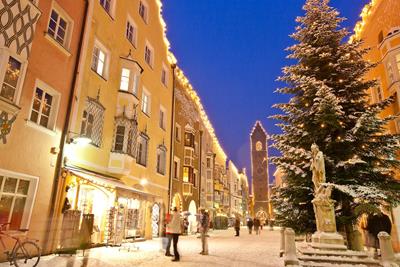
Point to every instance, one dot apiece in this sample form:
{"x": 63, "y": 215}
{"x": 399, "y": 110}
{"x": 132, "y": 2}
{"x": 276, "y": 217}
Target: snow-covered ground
{"x": 224, "y": 248}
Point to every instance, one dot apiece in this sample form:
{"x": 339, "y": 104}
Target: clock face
{"x": 258, "y": 146}
{"x": 260, "y": 170}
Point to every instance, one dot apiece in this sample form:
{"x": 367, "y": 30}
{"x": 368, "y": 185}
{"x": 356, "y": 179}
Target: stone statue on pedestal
{"x": 324, "y": 208}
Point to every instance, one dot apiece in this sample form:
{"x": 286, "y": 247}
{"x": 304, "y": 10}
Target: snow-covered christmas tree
{"x": 329, "y": 106}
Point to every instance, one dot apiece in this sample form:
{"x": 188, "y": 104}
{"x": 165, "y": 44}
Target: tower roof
{"x": 258, "y": 125}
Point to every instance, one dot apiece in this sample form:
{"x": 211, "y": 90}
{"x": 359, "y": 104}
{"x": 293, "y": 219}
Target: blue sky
{"x": 232, "y": 51}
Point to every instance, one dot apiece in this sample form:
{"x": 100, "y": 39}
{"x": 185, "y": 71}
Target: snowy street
{"x": 224, "y": 248}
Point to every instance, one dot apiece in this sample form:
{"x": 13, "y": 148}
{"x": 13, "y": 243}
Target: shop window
{"x": 44, "y": 106}
{"x": 143, "y": 11}
{"x": 161, "y": 159}
{"x": 142, "y": 147}
{"x": 11, "y": 80}
{"x": 16, "y": 200}
{"x": 92, "y": 121}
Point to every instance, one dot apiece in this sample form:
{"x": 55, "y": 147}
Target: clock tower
{"x": 259, "y": 171}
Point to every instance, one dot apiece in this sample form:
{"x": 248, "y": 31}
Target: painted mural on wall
{"x": 17, "y": 25}
{"x": 5, "y": 125}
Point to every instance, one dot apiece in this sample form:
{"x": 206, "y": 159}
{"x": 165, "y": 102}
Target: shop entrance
{"x": 155, "y": 220}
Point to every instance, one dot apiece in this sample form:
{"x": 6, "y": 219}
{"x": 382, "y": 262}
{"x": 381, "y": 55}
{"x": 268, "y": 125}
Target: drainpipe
{"x": 55, "y": 193}
{"x": 171, "y": 150}
{"x": 200, "y": 169}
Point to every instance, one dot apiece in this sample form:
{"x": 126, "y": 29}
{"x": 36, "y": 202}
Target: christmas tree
{"x": 329, "y": 106}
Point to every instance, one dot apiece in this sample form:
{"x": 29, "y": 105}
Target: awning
{"x": 107, "y": 181}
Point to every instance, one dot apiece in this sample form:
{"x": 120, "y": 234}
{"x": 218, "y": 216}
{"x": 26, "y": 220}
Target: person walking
{"x": 168, "y": 235}
{"x": 204, "y": 226}
{"x": 175, "y": 227}
{"x": 250, "y": 225}
{"x": 237, "y": 226}
{"x": 257, "y": 225}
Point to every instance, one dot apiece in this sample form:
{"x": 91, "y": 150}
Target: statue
{"x": 317, "y": 168}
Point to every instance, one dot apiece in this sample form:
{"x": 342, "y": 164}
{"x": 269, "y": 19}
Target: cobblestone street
{"x": 225, "y": 250}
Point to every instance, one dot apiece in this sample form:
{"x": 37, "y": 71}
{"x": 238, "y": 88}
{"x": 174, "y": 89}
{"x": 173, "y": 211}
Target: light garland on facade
{"x": 203, "y": 115}
{"x": 365, "y": 13}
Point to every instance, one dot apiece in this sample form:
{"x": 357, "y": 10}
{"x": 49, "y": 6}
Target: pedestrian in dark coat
{"x": 237, "y": 226}
{"x": 250, "y": 225}
{"x": 257, "y": 225}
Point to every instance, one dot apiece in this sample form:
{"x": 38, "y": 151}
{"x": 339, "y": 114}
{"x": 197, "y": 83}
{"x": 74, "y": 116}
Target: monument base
{"x": 323, "y": 240}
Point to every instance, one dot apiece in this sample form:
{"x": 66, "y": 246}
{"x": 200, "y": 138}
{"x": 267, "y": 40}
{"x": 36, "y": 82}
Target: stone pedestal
{"x": 290, "y": 248}
{"x": 326, "y": 235}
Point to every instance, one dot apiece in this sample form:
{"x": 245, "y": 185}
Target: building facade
{"x": 260, "y": 178}
{"x": 235, "y": 189}
{"x": 380, "y": 32}
{"x": 187, "y": 161}
{"x": 38, "y": 64}
{"x": 117, "y": 184}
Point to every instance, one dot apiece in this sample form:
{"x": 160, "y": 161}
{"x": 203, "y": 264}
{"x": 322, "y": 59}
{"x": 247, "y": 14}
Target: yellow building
{"x": 380, "y": 31}
{"x": 117, "y": 183}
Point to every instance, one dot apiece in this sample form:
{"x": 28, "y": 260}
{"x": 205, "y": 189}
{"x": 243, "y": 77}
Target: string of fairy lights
{"x": 365, "y": 13}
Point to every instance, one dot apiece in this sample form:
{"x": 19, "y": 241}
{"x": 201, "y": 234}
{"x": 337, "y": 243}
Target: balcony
{"x": 187, "y": 189}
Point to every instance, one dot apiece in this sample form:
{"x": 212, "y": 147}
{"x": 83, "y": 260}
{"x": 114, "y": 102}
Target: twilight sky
{"x": 232, "y": 51}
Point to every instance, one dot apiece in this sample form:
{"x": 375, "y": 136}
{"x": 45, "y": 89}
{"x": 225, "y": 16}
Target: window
{"x": 16, "y": 200}
{"x": 148, "y": 55}
{"x": 143, "y": 142}
{"x": 164, "y": 79}
{"x": 119, "y": 138}
{"x": 129, "y": 81}
{"x": 146, "y": 102}
{"x": 161, "y": 159}
{"x": 187, "y": 174}
{"x": 106, "y": 4}
{"x": 379, "y": 93}
{"x": 189, "y": 156}
{"x": 162, "y": 118}
{"x": 11, "y": 79}
{"x": 380, "y": 37}
{"x": 390, "y": 73}
{"x": 398, "y": 63}
{"x": 194, "y": 178}
{"x": 177, "y": 132}
{"x": 176, "y": 168}
{"x": 100, "y": 60}
{"x": 92, "y": 121}
{"x": 189, "y": 139}
{"x": 125, "y": 74}
{"x": 208, "y": 162}
{"x": 44, "y": 106}
{"x": 143, "y": 12}
{"x": 131, "y": 32}
{"x": 58, "y": 27}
